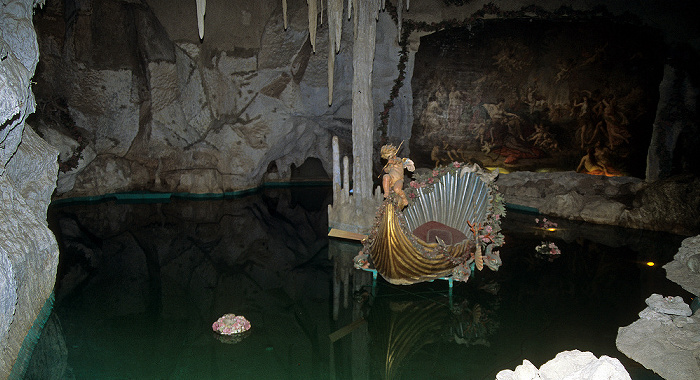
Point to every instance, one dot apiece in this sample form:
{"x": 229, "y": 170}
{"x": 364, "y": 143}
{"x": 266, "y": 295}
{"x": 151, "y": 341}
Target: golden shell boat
{"x": 450, "y": 227}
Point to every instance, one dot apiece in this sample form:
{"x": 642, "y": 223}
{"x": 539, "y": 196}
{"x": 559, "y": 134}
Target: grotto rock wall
{"x": 135, "y": 101}
{"x": 28, "y": 250}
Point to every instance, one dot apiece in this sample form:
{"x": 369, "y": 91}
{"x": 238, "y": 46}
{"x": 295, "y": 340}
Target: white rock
{"x": 525, "y": 371}
{"x": 665, "y": 348}
{"x": 565, "y": 363}
{"x": 669, "y": 305}
{"x": 605, "y": 368}
{"x": 652, "y": 315}
{"x": 569, "y": 365}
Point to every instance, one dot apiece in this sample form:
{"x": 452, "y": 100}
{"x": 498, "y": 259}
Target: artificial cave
{"x": 587, "y": 111}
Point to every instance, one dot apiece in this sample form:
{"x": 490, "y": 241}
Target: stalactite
{"x": 331, "y": 68}
{"x": 399, "y": 17}
{"x": 321, "y": 3}
{"x": 335, "y": 7}
{"x": 335, "y": 30}
{"x": 408, "y": 4}
{"x": 383, "y": 6}
{"x": 362, "y": 108}
{"x": 284, "y": 13}
{"x": 350, "y": 8}
{"x": 313, "y": 16}
{"x": 201, "y": 9}
{"x": 354, "y": 11}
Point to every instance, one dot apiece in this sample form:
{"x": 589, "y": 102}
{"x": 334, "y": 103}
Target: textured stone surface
{"x": 8, "y": 294}
{"x": 669, "y": 305}
{"x": 32, "y": 250}
{"x": 671, "y": 205}
{"x": 685, "y": 267}
{"x": 666, "y": 338}
{"x": 201, "y": 116}
{"x": 669, "y": 347}
{"x": 32, "y": 170}
{"x": 569, "y": 365}
{"x": 213, "y": 109}
{"x": 28, "y": 250}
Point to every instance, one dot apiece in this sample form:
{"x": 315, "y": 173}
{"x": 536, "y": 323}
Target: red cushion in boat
{"x": 430, "y": 230}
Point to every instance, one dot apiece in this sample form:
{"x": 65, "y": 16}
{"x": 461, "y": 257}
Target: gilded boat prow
{"x": 465, "y": 206}
{"x": 397, "y": 259}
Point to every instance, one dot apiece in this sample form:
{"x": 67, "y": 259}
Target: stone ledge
{"x": 671, "y": 205}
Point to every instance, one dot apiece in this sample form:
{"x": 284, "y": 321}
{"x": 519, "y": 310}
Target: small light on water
{"x": 650, "y": 263}
{"x": 551, "y": 229}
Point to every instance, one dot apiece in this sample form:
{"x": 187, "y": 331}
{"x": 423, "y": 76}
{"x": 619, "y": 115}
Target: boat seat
{"x": 432, "y": 229}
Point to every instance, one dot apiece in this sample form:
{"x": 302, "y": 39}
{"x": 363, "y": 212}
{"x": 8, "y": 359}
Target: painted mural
{"x": 537, "y": 95}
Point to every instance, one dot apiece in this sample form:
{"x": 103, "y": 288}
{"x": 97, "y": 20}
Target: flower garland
{"x": 548, "y": 248}
{"x": 230, "y": 324}
{"x": 545, "y": 224}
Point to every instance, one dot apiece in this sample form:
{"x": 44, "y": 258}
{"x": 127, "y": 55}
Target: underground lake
{"x": 141, "y": 280}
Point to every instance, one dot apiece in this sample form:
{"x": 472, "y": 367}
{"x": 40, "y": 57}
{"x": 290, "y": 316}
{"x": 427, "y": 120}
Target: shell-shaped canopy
{"x": 456, "y": 199}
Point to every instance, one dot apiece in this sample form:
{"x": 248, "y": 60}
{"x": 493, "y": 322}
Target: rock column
{"x": 362, "y": 108}
{"x": 28, "y": 169}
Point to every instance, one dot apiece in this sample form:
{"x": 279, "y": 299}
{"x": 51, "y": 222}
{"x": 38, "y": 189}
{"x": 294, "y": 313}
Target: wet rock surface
{"x": 666, "y": 338}
{"x": 671, "y": 205}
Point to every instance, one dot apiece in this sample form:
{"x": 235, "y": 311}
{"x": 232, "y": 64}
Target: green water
{"x": 139, "y": 286}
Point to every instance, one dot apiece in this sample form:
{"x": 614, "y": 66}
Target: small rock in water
{"x": 669, "y": 305}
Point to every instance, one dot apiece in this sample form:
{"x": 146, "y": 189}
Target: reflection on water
{"x": 139, "y": 286}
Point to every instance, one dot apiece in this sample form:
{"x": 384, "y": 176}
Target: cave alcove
{"x": 537, "y": 94}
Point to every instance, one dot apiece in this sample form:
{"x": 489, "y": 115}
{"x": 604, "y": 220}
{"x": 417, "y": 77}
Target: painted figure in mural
{"x": 533, "y": 100}
{"x": 589, "y": 164}
{"x": 454, "y": 108}
{"x": 511, "y": 142}
{"x": 564, "y": 66}
{"x": 393, "y": 179}
{"x": 499, "y": 115}
{"x": 596, "y": 162}
{"x": 615, "y": 122}
{"x": 544, "y": 139}
{"x": 445, "y": 154}
{"x": 433, "y": 116}
{"x": 585, "y": 117}
{"x": 478, "y": 125}
{"x": 612, "y": 126}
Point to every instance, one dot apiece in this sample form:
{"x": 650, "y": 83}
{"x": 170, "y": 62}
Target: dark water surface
{"x": 140, "y": 284}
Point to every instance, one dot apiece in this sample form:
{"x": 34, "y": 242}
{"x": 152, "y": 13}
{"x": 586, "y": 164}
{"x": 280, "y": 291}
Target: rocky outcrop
{"x": 684, "y": 270}
{"x": 671, "y": 205}
{"x": 156, "y": 109}
{"x": 28, "y": 250}
{"x": 665, "y": 339}
{"x": 569, "y": 365}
